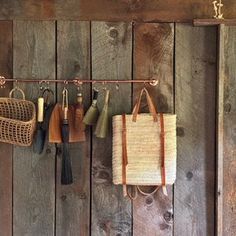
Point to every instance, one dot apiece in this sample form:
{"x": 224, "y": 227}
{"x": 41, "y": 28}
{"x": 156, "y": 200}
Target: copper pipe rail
{"x": 77, "y": 81}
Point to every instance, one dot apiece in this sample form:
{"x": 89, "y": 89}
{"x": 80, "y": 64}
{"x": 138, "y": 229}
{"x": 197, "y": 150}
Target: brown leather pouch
{"x": 55, "y": 126}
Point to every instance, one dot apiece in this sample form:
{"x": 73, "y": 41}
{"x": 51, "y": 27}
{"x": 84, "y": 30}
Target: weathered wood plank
{"x": 6, "y": 150}
{"x": 34, "y": 175}
{"x": 73, "y": 59}
{"x": 153, "y": 59}
{"x": 229, "y": 131}
{"x": 214, "y": 22}
{"x": 220, "y": 128}
{"x": 107, "y": 10}
{"x": 111, "y": 59}
{"x": 195, "y": 107}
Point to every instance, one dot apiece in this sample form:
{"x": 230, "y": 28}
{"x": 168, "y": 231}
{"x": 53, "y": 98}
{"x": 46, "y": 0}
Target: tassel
{"x": 66, "y": 169}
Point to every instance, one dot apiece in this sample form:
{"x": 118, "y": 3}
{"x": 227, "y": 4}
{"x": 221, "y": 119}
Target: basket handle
{"x": 17, "y": 89}
{"x": 151, "y": 106}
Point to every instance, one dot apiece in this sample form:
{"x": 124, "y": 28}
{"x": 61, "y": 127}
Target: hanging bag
{"x": 17, "y": 120}
{"x": 144, "y": 147}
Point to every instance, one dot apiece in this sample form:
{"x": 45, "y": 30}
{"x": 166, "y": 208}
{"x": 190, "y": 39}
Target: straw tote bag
{"x": 144, "y": 147}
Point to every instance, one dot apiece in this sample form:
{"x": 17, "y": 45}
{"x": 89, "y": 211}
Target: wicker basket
{"x": 150, "y": 153}
{"x": 17, "y": 120}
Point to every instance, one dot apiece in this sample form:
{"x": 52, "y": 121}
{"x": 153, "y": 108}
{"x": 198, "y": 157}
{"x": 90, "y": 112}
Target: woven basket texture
{"x": 17, "y": 121}
{"x": 144, "y": 150}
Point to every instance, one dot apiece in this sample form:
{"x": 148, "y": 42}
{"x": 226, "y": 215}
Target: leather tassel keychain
{"x": 103, "y": 120}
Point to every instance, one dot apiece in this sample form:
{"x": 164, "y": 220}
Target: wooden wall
{"x": 115, "y": 10}
{"x": 183, "y": 58}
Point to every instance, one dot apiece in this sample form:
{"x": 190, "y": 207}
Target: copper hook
{"x": 117, "y": 85}
{"x": 154, "y": 82}
{"x": 104, "y": 85}
{"x": 65, "y": 100}
{"x": 2, "y": 81}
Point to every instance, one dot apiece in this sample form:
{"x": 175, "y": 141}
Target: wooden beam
{"x": 213, "y": 22}
{"x": 107, "y": 10}
{"x": 195, "y": 69}
{"x": 153, "y": 59}
{"x": 6, "y": 149}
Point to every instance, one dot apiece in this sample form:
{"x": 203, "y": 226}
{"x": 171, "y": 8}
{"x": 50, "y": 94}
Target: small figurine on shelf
{"x": 217, "y": 8}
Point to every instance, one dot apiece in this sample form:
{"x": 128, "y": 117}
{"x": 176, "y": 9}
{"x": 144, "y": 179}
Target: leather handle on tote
{"x": 150, "y": 103}
{"x": 134, "y": 194}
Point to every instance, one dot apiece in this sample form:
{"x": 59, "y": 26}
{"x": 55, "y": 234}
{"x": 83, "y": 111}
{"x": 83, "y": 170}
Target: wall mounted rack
{"x": 77, "y": 81}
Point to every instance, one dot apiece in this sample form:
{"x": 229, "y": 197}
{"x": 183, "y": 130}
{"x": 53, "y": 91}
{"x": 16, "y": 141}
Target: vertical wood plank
{"x": 195, "y": 107}
{"x": 153, "y": 59}
{"x": 6, "y": 149}
{"x": 111, "y": 59}
{"x": 73, "y": 59}
{"x": 227, "y": 62}
{"x": 220, "y": 127}
{"x": 34, "y": 175}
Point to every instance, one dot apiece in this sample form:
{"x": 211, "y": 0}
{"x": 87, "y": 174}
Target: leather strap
{"x": 124, "y": 150}
{"x": 151, "y": 106}
{"x": 147, "y": 194}
{"x": 163, "y": 170}
{"x": 133, "y": 194}
{"x": 124, "y": 146}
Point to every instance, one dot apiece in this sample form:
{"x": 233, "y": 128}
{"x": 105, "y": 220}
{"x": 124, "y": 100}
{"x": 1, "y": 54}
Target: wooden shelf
{"x": 212, "y": 22}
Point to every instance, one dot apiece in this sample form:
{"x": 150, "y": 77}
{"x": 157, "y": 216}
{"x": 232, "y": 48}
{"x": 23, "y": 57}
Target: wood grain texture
{"x": 73, "y": 59}
{"x": 214, "y": 22}
{"x": 116, "y": 10}
{"x": 194, "y": 193}
{"x": 34, "y": 175}
{"x": 220, "y": 129}
{"x": 229, "y": 135}
{"x": 6, "y": 149}
{"x": 153, "y": 59}
{"x": 111, "y": 59}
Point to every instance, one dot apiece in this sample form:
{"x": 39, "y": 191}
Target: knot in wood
{"x": 82, "y": 196}
{"x": 168, "y": 216}
{"x": 149, "y": 200}
{"x": 48, "y": 151}
{"x": 113, "y": 32}
{"x": 63, "y": 197}
{"x": 227, "y": 108}
{"x": 189, "y": 175}
{"x": 180, "y": 131}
